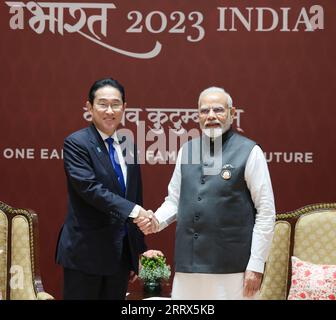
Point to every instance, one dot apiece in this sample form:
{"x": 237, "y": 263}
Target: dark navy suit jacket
{"x": 91, "y": 238}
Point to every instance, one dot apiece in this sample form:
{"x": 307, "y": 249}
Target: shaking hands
{"x": 147, "y": 222}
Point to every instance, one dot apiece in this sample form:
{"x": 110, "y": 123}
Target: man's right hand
{"x": 147, "y": 222}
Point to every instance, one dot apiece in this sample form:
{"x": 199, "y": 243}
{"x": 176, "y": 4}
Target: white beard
{"x": 218, "y": 131}
{"x": 213, "y": 132}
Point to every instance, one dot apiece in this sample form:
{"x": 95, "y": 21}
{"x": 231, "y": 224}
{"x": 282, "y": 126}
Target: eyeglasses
{"x": 217, "y": 110}
{"x": 114, "y": 106}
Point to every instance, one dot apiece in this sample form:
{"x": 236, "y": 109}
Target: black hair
{"x": 103, "y": 83}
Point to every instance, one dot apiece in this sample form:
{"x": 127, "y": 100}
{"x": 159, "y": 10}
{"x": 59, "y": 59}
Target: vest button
{"x": 199, "y": 198}
{"x": 195, "y": 235}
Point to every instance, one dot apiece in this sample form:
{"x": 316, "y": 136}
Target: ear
{"x": 89, "y": 106}
{"x": 124, "y": 106}
{"x": 232, "y": 112}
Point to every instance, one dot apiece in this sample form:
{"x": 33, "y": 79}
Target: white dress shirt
{"x": 122, "y": 163}
{"x": 259, "y": 183}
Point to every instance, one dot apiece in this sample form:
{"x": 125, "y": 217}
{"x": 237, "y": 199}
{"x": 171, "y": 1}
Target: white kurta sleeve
{"x": 259, "y": 183}
{"x": 167, "y": 212}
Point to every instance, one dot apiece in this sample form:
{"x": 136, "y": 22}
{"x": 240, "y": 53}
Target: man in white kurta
{"x": 216, "y": 114}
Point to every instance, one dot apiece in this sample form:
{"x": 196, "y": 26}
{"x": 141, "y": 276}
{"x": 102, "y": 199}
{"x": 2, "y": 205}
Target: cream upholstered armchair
{"x": 308, "y": 233}
{"x": 19, "y": 272}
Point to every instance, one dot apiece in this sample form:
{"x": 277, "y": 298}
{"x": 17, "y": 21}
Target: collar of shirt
{"x": 104, "y": 136}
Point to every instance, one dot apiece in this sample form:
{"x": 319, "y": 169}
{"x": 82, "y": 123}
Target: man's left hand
{"x": 252, "y": 282}
{"x": 147, "y": 224}
{"x": 132, "y": 276}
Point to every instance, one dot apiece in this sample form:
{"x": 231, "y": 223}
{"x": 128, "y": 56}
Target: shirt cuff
{"x": 162, "y": 225}
{"x": 160, "y": 218}
{"x": 256, "y": 265}
{"x": 135, "y": 212}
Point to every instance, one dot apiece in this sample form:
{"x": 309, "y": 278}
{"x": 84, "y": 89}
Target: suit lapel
{"x": 128, "y": 150}
{"x": 101, "y": 152}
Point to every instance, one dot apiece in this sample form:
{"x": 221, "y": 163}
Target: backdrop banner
{"x": 275, "y": 58}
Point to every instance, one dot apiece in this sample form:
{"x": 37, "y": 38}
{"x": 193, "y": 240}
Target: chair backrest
{"x": 19, "y": 272}
{"x": 315, "y": 237}
{"x": 308, "y": 233}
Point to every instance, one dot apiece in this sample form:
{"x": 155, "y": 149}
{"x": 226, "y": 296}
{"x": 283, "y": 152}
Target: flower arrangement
{"x": 153, "y": 267}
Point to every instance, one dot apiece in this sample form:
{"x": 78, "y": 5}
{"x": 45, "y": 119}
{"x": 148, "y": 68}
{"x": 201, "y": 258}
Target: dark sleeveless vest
{"x": 216, "y": 214}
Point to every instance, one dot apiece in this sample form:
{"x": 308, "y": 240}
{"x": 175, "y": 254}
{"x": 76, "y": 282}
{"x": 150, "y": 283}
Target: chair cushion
{"x": 312, "y": 281}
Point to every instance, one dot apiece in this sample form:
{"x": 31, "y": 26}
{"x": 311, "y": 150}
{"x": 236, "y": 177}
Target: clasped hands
{"x": 147, "y": 222}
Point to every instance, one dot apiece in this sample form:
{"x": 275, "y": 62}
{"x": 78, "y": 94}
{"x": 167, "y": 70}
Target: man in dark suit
{"x": 99, "y": 244}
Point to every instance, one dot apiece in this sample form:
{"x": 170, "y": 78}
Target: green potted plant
{"x": 153, "y": 269}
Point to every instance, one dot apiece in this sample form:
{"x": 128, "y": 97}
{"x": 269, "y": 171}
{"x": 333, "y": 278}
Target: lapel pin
{"x": 98, "y": 149}
{"x": 228, "y": 166}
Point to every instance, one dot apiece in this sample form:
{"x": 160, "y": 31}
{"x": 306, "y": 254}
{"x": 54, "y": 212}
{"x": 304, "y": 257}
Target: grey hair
{"x": 216, "y": 89}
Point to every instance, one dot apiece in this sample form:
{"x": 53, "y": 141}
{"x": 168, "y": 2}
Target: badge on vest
{"x": 226, "y": 174}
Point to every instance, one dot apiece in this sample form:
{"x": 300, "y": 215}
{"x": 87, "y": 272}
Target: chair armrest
{"x": 44, "y": 296}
